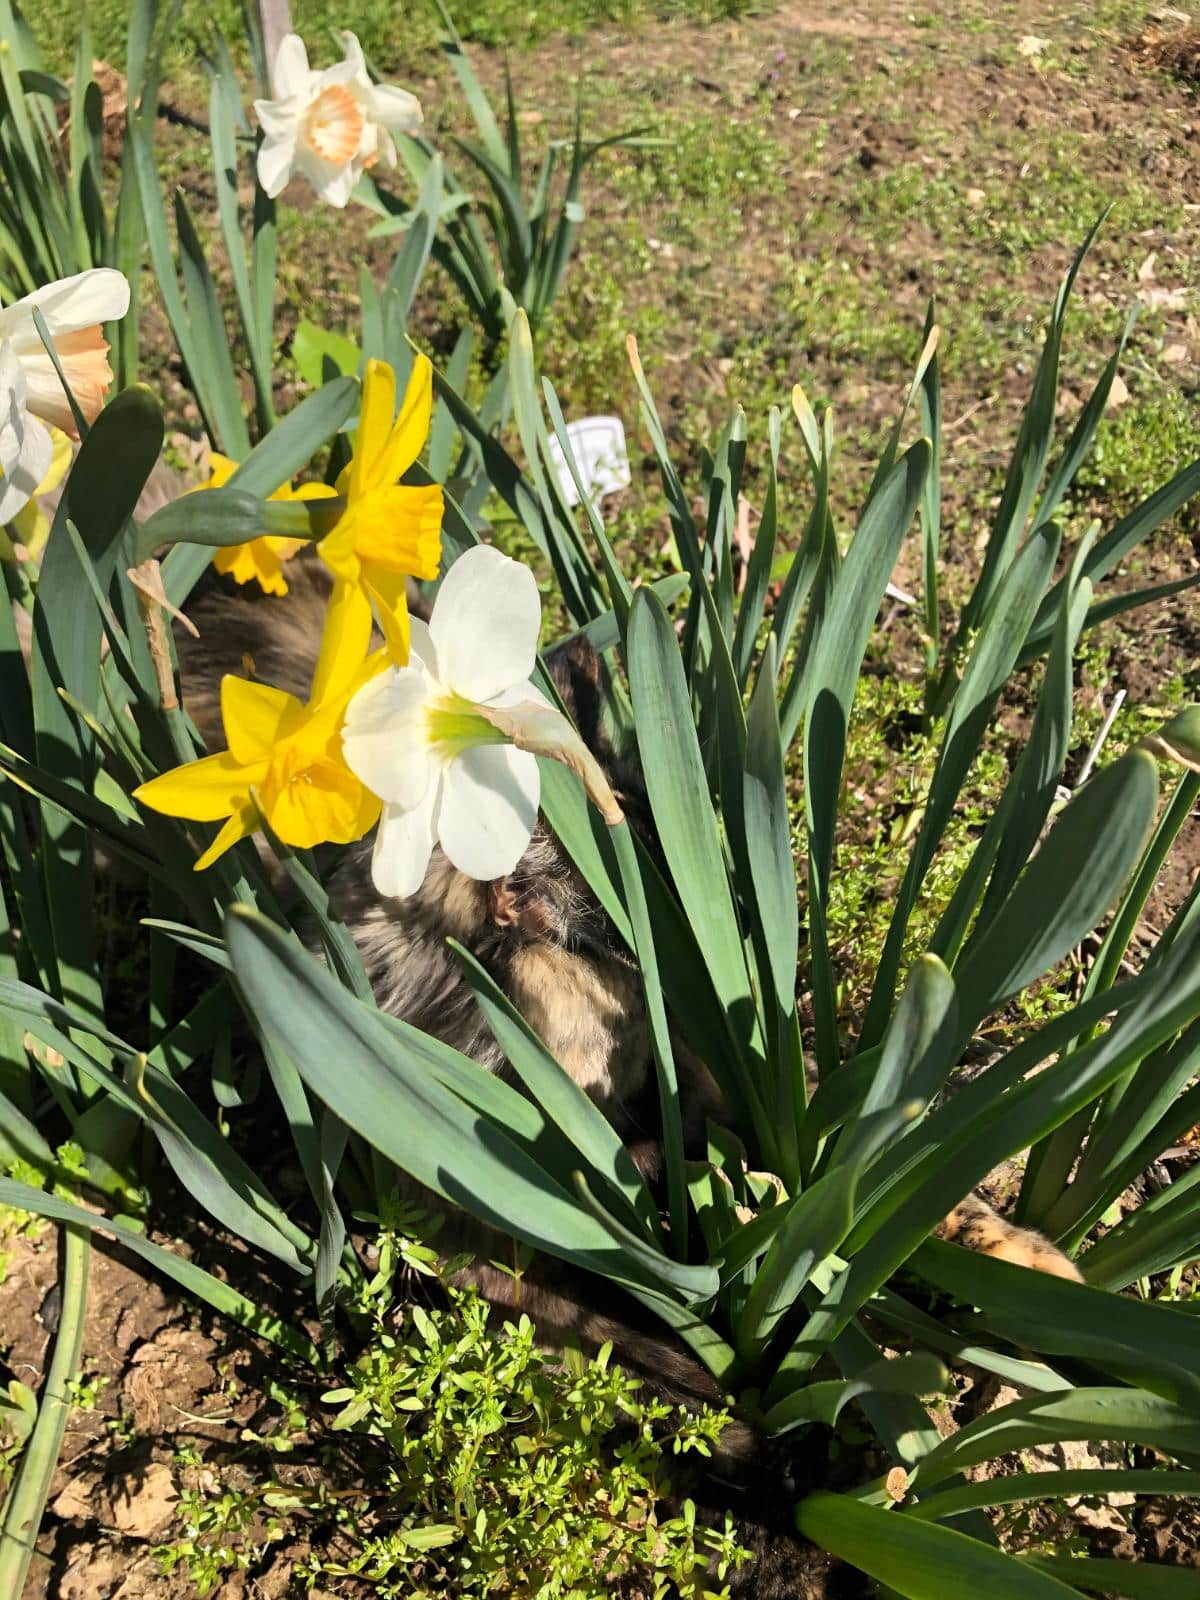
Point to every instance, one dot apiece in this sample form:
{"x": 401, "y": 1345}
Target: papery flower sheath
{"x": 261, "y": 560}
{"x": 419, "y": 738}
{"x": 289, "y": 755}
{"x": 388, "y": 532}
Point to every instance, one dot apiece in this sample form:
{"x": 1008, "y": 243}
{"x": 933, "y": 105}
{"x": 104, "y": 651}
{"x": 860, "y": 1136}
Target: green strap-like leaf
{"x": 920, "y": 1560}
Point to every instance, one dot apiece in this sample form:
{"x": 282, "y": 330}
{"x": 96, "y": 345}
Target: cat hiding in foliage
{"x": 546, "y": 941}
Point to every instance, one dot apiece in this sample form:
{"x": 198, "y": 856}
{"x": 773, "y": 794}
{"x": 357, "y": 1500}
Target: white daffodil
{"x": 329, "y": 125}
{"x": 30, "y": 388}
{"x": 419, "y": 738}
{"x": 73, "y": 309}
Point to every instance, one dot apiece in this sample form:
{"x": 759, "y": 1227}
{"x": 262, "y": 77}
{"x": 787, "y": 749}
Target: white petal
{"x": 355, "y": 59}
{"x": 489, "y": 806}
{"x": 275, "y": 157}
{"x": 101, "y": 294}
{"x": 395, "y": 109}
{"x": 421, "y": 651}
{"x": 384, "y": 737}
{"x": 12, "y": 406}
{"x": 290, "y": 74}
{"x": 332, "y": 183}
{"x": 26, "y": 469}
{"x": 485, "y": 624}
{"x": 403, "y": 846}
{"x": 280, "y": 119}
{"x": 520, "y": 694}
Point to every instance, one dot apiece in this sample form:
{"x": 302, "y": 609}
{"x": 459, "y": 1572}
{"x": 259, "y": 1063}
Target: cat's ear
{"x": 578, "y": 675}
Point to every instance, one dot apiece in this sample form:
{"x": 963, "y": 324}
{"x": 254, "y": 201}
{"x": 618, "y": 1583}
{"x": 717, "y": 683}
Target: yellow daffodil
{"x": 388, "y": 532}
{"x": 30, "y": 528}
{"x": 284, "y": 761}
{"x": 261, "y": 559}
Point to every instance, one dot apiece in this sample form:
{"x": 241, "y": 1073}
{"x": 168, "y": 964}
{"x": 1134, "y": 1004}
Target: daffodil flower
{"x": 284, "y": 761}
{"x": 30, "y": 390}
{"x": 388, "y": 531}
{"x": 419, "y": 736}
{"x": 261, "y": 559}
{"x": 73, "y": 309}
{"x": 330, "y": 125}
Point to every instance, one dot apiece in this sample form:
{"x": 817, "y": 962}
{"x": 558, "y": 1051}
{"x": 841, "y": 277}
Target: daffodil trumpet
{"x": 232, "y": 517}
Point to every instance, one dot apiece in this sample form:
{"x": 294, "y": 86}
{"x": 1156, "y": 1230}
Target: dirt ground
{"x": 822, "y": 170}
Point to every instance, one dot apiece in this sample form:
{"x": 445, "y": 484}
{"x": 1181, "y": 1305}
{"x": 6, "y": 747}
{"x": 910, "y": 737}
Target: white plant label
{"x": 598, "y": 444}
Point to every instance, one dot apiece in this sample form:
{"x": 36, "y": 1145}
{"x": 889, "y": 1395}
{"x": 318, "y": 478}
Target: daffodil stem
{"x": 31, "y": 1488}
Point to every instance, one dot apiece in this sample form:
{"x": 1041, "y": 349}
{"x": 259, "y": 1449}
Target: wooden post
{"x": 275, "y": 20}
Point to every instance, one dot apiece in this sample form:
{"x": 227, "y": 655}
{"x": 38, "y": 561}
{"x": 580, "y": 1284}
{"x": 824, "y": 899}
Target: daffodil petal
{"x": 422, "y": 652}
{"x": 220, "y": 470}
{"x": 389, "y": 592}
{"x": 485, "y": 624}
{"x": 25, "y": 454}
{"x": 203, "y": 791}
{"x": 345, "y": 642}
{"x": 384, "y": 739}
{"x": 489, "y": 807}
{"x": 375, "y": 416}
{"x": 404, "y": 845}
{"x": 276, "y": 154}
{"x": 411, "y": 428}
{"x": 290, "y": 73}
{"x": 256, "y": 717}
{"x": 306, "y": 491}
{"x": 99, "y": 294}
{"x": 241, "y": 825}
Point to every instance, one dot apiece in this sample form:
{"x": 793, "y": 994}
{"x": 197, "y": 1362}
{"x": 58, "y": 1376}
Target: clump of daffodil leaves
{"x": 431, "y": 736}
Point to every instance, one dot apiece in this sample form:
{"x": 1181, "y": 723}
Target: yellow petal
{"x": 60, "y": 460}
{"x": 256, "y": 717}
{"x": 388, "y": 592}
{"x": 411, "y": 428}
{"x": 374, "y": 425}
{"x": 305, "y": 491}
{"x": 345, "y": 642}
{"x": 240, "y": 826}
{"x": 220, "y": 469}
{"x": 203, "y": 791}
{"x": 259, "y": 561}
